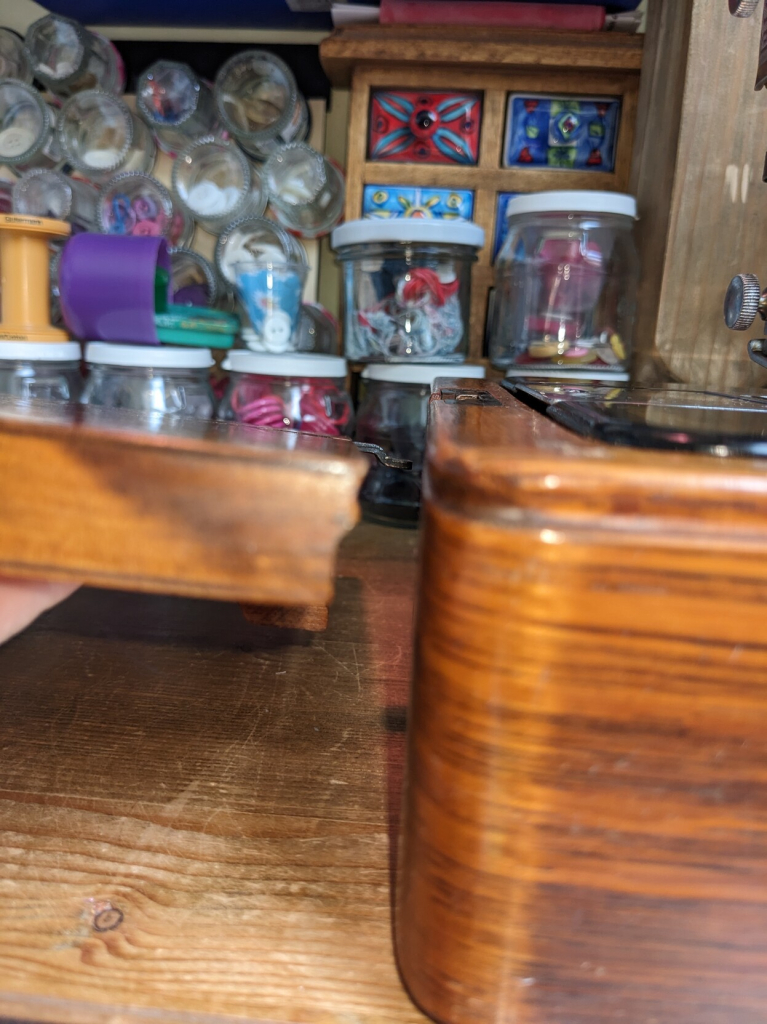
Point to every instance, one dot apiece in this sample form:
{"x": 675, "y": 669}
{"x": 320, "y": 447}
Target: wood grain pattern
{"x": 168, "y": 505}
{"x": 496, "y": 63}
{"x": 697, "y": 174}
{"x": 457, "y": 47}
{"x": 584, "y": 834}
{"x": 230, "y": 789}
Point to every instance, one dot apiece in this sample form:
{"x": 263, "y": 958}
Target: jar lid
{"x": 152, "y": 356}
{"x": 40, "y": 352}
{"x": 241, "y": 361}
{"x": 408, "y": 229}
{"x": 420, "y": 373}
{"x": 573, "y": 202}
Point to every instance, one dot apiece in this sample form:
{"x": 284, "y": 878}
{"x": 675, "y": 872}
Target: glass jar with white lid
{"x": 566, "y": 286}
{"x": 49, "y": 371}
{"x": 149, "y": 378}
{"x": 392, "y": 413}
{"x": 407, "y": 288}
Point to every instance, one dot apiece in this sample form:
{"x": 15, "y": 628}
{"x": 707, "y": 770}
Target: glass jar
{"x": 134, "y": 203}
{"x": 100, "y": 136}
{"x": 566, "y": 286}
{"x": 259, "y": 103}
{"x": 66, "y": 58}
{"x": 306, "y": 191}
{"x": 407, "y": 288}
{"x": 149, "y": 378}
{"x": 306, "y": 393}
{"x": 14, "y": 59}
{"x": 392, "y": 413}
{"x": 193, "y": 281}
{"x": 41, "y": 370}
{"x": 216, "y": 183}
{"x": 177, "y": 105}
{"x": 27, "y": 127}
{"x": 43, "y": 192}
{"x": 252, "y": 238}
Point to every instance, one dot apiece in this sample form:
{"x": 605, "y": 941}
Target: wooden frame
{"x": 697, "y": 176}
{"x": 497, "y": 64}
{"x": 181, "y": 506}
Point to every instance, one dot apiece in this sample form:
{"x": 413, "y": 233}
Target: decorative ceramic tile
{"x": 501, "y": 224}
{"x": 425, "y": 203}
{"x": 571, "y": 132}
{"x": 424, "y": 127}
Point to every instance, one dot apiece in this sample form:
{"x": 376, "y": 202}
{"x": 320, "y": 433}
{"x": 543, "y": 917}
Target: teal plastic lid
{"x": 196, "y": 325}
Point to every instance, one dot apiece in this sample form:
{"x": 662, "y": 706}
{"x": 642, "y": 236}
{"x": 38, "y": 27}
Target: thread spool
{"x": 25, "y": 276}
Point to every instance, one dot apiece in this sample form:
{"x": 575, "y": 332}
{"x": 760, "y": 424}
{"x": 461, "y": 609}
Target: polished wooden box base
{"x": 173, "y": 505}
{"x": 585, "y": 835}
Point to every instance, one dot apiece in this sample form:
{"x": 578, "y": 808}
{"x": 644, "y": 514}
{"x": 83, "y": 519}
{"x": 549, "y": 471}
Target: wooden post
{"x": 700, "y": 150}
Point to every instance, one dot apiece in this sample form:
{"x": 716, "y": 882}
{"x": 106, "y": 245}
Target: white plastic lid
{"x": 40, "y": 352}
{"x": 161, "y": 357}
{"x": 573, "y": 202}
{"x": 301, "y": 365}
{"x": 408, "y": 229}
{"x": 420, "y": 373}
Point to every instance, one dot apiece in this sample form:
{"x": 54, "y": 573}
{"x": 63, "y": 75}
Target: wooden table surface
{"x": 196, "y": 814}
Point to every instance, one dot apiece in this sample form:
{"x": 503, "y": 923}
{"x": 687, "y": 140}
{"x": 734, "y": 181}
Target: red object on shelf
{"x": 493, "y": 13}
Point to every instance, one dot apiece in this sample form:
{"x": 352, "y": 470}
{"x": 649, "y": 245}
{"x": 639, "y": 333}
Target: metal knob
{"x": 743, "y": 8}
{"x": 742, "y": 302}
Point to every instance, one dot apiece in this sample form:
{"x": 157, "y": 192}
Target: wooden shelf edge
{"x": 492, "y": 50}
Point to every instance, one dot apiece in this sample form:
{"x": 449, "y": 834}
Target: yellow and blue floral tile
{"x": 387, "y": 201}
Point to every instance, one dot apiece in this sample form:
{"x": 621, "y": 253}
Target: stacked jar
{"x": 566, "y": 286}
{"x": 407, "y": 302}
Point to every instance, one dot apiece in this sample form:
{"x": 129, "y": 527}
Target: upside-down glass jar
{"x": 176, "y": 104}
{"x": 566, "y": 286}
{"x": 392, "y": 413}
{"x": 27, "y": 127}
{"x": 67, "y": 58}
{"x": 253, "y": 238}
{"x": 34, "y": 370}
{"x": 216, "y": 183}
{"x": 14, "y": 58}
{"x": 100, "y": 136}
{"x": 296, "y": 392}
{"x": 149, "y": 378}
{"x": 259, "y": 103}
{"x": 134, "y": 203}
{"x": 192, "y": 279}
{"x": 43, "y": 192}
{"x": 407, "y": 288}
{"x": 306, "y": 191}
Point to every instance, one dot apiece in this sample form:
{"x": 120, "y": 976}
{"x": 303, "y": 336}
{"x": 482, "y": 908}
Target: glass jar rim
{"x": 82, "y": 44}
{"x": 277, "y": 126}
{"x": 420, "y": 373}
{"x": 301, "y": 365}
{"x": 145, "y": 111}
{"x": 408, "y": 230}
{"x": 47, "y": 122}
{"x": 573, "y": 201}
{"x": 216, "y": 142}
{"x": 34, "y": 352}
{"x": 151, "y": 357}
{"x": 126, "y": 115}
